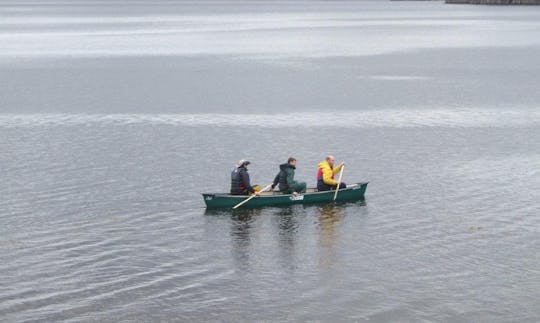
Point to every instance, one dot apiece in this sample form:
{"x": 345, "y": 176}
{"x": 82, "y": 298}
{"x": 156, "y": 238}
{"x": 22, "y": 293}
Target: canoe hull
{"x": 352, "y": 193}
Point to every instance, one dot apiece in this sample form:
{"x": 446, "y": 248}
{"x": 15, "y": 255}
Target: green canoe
{"x": 353, "y": 192}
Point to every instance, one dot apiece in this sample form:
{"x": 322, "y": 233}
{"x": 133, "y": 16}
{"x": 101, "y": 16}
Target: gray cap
{"x": 242, "y": 162}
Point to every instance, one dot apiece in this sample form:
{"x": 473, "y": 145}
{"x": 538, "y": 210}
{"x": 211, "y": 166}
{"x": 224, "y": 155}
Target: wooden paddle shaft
{"x": 339, "y": 182}
{"x": 249, "y": 198}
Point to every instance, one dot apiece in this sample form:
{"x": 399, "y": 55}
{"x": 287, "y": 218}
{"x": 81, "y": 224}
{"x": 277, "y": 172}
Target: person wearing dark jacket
{"x": 240, "y": 182}
{"x": 285, "y": 179}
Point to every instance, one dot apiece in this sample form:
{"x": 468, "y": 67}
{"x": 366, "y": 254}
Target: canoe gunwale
{"x": 348, "y": 188}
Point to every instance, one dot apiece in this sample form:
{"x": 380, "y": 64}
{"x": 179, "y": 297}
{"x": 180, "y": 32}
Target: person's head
{"x": 291, "y": 161}
{"x": 331, "y": 160}
{"x": 242, "y": 163}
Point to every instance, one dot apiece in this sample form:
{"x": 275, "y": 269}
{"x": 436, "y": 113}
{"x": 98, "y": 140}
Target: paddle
{"x": 249, "y": 198}
{"x": 339, "y": 181}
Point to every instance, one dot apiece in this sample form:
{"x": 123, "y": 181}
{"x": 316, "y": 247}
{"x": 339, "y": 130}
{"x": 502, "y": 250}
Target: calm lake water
{"x": 115, "y": 116}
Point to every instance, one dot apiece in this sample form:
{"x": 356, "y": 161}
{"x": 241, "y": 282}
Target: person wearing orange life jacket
{"x": 325, "y": 175}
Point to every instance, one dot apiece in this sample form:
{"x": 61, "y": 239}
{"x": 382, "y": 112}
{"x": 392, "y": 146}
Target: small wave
{"x": 357, "y": 119}
{"x": 397, "y": 77}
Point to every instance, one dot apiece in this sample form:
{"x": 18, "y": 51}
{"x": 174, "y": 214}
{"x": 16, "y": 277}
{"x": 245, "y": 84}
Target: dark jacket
{"x": 240, "y": 183}
{"x": 285, "y": 177}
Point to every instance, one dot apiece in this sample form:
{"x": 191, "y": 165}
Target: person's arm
{"x": 337, "y": 169}
{"x": 276, "y": 181}
{"x": 246, "y": 182}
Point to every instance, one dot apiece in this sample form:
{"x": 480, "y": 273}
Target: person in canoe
{"x": 240, "y": 182}
{"x": 325, "y": 175}
{"x": 285, "y": 179}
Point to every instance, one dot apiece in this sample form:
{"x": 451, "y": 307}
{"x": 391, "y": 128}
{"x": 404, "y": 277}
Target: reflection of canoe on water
{"x": 353, "y": 192}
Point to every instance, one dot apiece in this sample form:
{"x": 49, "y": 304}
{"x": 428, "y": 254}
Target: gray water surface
{"x": 115, "y": 116}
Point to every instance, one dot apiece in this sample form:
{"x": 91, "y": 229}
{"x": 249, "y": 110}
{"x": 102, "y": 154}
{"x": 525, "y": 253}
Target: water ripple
{"x": 503, "y": 118}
